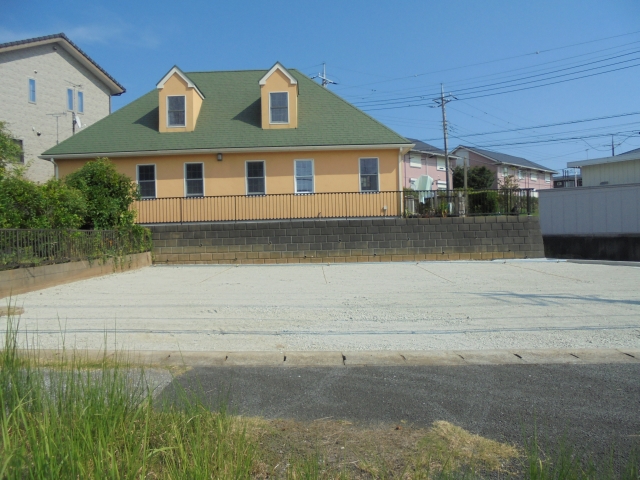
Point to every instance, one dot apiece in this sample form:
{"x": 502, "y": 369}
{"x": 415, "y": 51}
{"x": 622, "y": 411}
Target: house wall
{"x": 428, "y": 167}
{"x": 56, "y": 71}
{"x": 618, "y": 173}
{"x": 476, "y": 160}
{"x": 335, "y": 171}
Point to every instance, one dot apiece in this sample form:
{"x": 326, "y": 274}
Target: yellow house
{"x": 235, "y": 145}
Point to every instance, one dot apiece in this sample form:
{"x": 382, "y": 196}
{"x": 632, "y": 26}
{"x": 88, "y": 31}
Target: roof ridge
{"x": 62, "y": 36}
{"x": 229, "y": 71}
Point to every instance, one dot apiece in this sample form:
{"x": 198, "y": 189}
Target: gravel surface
{"x": 385, "y": 306}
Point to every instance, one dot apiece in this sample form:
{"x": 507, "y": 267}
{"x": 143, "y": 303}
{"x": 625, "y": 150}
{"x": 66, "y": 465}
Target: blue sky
{"x": 386, "y": 55}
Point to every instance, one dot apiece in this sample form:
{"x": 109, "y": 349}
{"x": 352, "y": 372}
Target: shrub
{"x": 484, "y": 202}
{"x": 10, "y": 151}
{"x": 109, "y": 195}
{"x": 478, "y": 178}
{"x": 24, "y": 204}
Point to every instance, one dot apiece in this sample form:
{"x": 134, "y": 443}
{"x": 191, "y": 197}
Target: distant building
{"x": 617, "y": 170}
{"x": 570, "y": 177}
{"x": 425, "y": 159}
{"x": 528, "y": 174}
{"x": 47, "y": 82}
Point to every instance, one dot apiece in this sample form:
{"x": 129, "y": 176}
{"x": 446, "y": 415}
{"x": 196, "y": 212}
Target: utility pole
{"x": 323, "y": 76}
{"x": 442, "y": 103}
{"x": 613, "y": 150}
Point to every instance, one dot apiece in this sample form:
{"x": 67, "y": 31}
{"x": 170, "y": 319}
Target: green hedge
{"x": 86, "y": 215}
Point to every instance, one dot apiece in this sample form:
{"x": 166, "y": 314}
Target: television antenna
{"x": 323, "y": 76}
{"x": 57, "y": 115}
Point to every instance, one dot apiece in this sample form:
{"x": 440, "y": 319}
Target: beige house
{"x": 50, "y": 88}
{"x": 252, "y": 144}
{"x": 617, "y": 170}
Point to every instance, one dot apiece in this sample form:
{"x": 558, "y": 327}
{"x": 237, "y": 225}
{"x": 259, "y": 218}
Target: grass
{"x": 83, "y": 419}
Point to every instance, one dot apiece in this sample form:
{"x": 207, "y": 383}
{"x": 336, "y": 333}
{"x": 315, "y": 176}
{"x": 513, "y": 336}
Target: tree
{"x": 109, "y": 195}
{"x": 24, "y": 204}
{"x": 478, "y": 178}
{"x": 509, "y": 182}
{"x": 10, "y": 150}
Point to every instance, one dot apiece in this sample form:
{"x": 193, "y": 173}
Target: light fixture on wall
{"x": 219, "y": 157}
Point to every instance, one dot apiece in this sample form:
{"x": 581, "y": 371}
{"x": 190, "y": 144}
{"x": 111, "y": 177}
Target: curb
{"x": 611, "y": 263}
{"x": 356, "y": 358}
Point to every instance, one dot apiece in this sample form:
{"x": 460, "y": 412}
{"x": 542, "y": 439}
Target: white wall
{"x": 54, "y": 72}
{"x": 590, "y": 210}
{"x": 616, "y": 173}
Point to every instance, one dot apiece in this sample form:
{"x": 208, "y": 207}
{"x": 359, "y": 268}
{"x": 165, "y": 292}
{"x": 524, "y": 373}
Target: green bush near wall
{"x": 96, "y": 197}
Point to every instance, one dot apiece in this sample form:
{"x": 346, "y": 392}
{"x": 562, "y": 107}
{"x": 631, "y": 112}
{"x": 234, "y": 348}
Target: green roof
{"x": 230, "y": 118}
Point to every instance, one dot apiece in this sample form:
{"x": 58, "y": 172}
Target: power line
{"x": 548, "y": 125}
{"x": 510, "y": 91}
{"x": 557, "y": 140}
{"x": 503, "y": 74}
{"x": 498, "y": 60}
{"x": 485, "y": 89}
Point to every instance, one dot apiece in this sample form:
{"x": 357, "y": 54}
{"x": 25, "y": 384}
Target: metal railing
{"x": 392, "y": 203}
{"x": 33, "y": 247}
{"x": 268, "y": 207}
{"x": 473, "y": 202}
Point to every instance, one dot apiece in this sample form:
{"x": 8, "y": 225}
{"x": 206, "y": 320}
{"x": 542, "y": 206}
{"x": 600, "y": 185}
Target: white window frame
{"x": 185, "y": 111}
{"x": 155, "y": 178}
{"x": 533, "y": 176}
{"x": 295, "y": 176}
{"x": 520, "y": 174}
{"x": 184, "y": 174}
{"x": 418, "y": 161}
{"x": 35, "y": 90}
{"x": 271, "y": 122}
{"x": 73, "y": 99}
{"x": 547, "y": 178}
{"x": 246, "y": 177}
{"x": 505, "y": 171}
{"x": 377, "y": 159}
{"x": 440, "y": 168}
{"x": 79, "y": 95}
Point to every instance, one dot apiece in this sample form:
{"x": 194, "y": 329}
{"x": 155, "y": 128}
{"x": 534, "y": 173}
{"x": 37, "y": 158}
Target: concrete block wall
{"x": 349, "y": 240}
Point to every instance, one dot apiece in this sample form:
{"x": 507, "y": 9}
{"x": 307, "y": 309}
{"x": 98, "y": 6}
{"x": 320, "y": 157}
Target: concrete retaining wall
{"x": 23, "y": 280}
{"x": 593, "y": 247}
{"x": 349, "y": 240}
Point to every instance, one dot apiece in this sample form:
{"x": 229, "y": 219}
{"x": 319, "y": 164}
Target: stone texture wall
{"x": 349, "y": 240}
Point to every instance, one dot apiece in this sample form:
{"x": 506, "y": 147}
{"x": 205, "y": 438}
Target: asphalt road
{"x": 595, "y": 406}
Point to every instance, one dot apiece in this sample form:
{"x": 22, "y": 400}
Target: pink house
{"x": 425, "y": 159}
{"x": 528, "y": 173}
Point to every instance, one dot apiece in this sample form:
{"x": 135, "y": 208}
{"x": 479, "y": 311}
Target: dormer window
{"x": 176, "y": 111}
{"x": 279, "y": 107}
{"x": 278, "y": 99}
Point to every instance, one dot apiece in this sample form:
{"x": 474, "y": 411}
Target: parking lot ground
{"x": 595, "y": 407}
{"x": 498, "y": 305}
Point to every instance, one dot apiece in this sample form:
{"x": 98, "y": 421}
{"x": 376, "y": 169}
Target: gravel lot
{"x": 386, "y": 306}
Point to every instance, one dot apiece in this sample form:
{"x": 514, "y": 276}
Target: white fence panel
{"x": 610, "y": 209}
